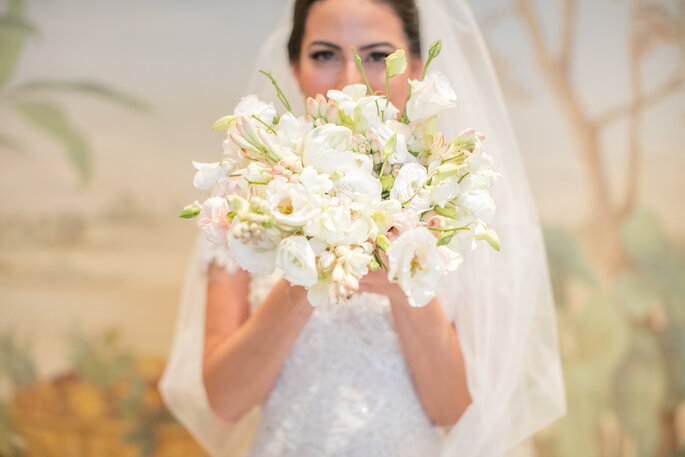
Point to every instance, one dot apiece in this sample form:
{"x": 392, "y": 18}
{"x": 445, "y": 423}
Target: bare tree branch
{"x": 528, "y": 15}
{"x": 567, "y": 32}
{"x": 644, "y": 101}
{"x": 634, "y": 132}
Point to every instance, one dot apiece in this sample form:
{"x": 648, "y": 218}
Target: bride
{"x": 255, "y": 370}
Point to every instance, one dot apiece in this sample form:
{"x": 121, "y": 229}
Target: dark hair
{"x": 405, "y": 9}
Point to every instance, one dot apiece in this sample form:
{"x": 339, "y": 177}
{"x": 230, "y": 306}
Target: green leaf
{"x": 83, "y": 87}
{"x": 639, "y": 389}
{"x": 8, "y": 142}
{"x": 445, "y": 238}
{"x": 49, "y": 118}
{"x": 644, "y": 237}
{"x": 566, "y": 261}
{"x": 447, "y": 211}
{"x": 16, "y": 360}
{"x": 13, "y": 32}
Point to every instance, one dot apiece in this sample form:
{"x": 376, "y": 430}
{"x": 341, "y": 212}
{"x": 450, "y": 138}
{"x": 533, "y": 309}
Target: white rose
{"x": 212, "y": 219}
{"x": 327, "y": 147}
{"x": 252, "y": 105}
{"x": 360, "y": 186}
{"x": 409, "y": 180}
{"x": 315, "y": 182}
{"x": 445, "y": 191}
{"x": 291, "y": 204}
{"x": 330, "y": 224}
{"x": 256, "y": 257}
{"x": 297, "y": 260}
{"x": 429, "y": 97}
{"x": 414, "y": 260}
{"x": 362, "y": 228}
{"x": 480, "y": 203}
{"x": 348, "y": 97}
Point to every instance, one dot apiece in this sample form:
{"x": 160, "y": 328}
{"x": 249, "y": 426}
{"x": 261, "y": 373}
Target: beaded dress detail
{"x": 345, "y": 388}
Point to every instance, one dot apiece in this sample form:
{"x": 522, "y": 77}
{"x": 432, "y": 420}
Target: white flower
{"x": 330, "y": 224}
{"x": 315, "y": 182}
{"x": 256, "y": 172}
{"x": 414, "y": 260}
{"x": 480, "y": 203}
{"x": 355, "y": 261}
{"x": 405, "y": 220}
{"x": 401, "y": 153}
{"x": 384, "y": 213}
{"x": 296, "y": 258}
{"x": 325, "y": 146}
{"x": 348, "y": 97}
{"x": 321, "y": 292}
{"x": 209, "y": 173}
{"x": 444, "y": 191}
{"x": 291, "y": 204}
{"x": 429, "y": 97}
{"x": 409, "y": 180}
{"x": 292, "y": 131}
{"x": 212, "y": 219}
{"x": 252, "y": 105}
{"x": 256, "y": 257}
{"x": 359, "y": 186}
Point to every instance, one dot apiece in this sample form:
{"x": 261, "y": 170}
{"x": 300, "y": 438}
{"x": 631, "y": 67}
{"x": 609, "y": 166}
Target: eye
{"x": 377, "y": 57}
{"x": 322, "y": 56}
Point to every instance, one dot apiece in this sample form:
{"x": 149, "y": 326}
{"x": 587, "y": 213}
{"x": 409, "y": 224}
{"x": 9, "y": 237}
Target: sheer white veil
{"x": 500, "y": 303}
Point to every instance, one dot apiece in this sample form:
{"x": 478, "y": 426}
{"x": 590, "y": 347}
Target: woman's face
{"x": 332, "y": 28}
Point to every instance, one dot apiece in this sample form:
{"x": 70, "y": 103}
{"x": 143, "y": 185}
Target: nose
{"x": 350, "y": 74}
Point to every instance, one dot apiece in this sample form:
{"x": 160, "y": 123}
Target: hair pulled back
{"x": 405, "y": 9}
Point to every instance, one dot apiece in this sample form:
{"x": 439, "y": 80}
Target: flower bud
{"x": 395, "y": 63}
{"x": 351, "y": 283}
{"x": 322, "y": 105}
{"x": 435, "y": 49}
{"x": 312, "y": 107}
{"x": 224, "y": 123}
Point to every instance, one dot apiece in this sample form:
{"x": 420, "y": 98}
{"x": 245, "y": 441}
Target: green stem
{"x": 425, "y": 67}
{"x": 358, "y": 61}
{"x": 279, "y": 92}
{"x": 387, "y": 88}
{"x": 265, "y": 124}
{"x": 448, "y": 230}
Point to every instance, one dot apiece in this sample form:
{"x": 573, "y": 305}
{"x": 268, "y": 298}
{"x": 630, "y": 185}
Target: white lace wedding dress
{"x": 345, "y": 388}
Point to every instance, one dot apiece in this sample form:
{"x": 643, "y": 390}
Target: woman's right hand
{"x": 244, "y": 353}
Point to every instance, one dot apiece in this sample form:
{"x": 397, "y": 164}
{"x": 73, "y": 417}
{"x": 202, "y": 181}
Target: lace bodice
{"x": 345, "y": 388}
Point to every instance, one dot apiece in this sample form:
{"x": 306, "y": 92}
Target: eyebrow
{"x": 362, "y": 48}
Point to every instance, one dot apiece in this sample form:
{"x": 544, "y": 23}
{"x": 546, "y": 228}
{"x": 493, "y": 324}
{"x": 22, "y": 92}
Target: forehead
{"x": 354, "y": 23}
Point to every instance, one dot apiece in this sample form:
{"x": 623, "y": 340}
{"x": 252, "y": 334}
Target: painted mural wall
{"x": 104, "y": 104}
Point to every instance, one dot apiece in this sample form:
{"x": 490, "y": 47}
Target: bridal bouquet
{"x": 349, "y": 187}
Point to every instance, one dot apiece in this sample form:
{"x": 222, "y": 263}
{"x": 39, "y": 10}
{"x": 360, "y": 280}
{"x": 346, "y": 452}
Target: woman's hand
{"x": 377, "y": 282}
